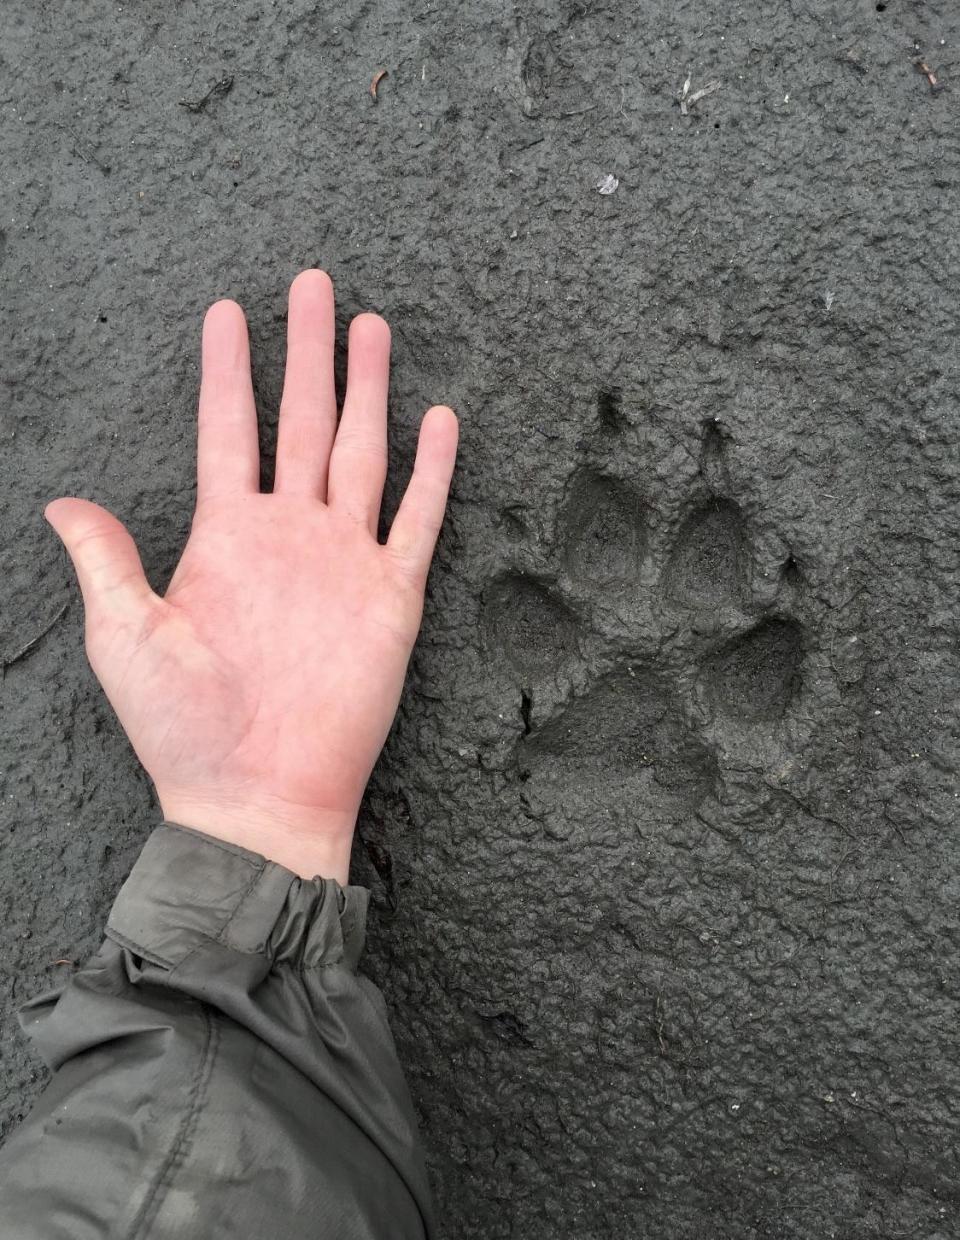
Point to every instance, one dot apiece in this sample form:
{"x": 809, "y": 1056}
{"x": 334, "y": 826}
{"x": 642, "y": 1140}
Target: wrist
{"x": 313, "y": 842}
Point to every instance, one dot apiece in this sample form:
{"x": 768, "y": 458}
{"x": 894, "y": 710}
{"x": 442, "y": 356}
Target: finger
{"x": 358, "y": 462}
{"x": 228, "y": 451}
{"x": 105, "y": 558}
{"x": 308, "y": 407}
{"x": 413, "y": 534}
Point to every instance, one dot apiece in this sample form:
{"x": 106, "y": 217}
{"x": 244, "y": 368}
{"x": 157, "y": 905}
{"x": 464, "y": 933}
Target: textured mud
{"x": 664, "y": 846}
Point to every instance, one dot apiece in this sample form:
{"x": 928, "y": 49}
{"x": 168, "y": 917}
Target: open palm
{"x": 259, "y": 690}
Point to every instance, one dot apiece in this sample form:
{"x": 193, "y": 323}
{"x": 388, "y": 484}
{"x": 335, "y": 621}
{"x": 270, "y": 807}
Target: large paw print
{"x": 691, "y": 653}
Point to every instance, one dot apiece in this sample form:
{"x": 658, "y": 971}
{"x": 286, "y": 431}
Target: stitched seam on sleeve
{"x": 142, "y": 1224}
{"x": 222, "y": 932}
{"x": 137, "y": 948}
{"x": 205, "y": 937}
{"x": 212, "y": 842}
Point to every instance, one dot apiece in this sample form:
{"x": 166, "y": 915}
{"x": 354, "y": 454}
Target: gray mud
{"x": 664, "y": 845}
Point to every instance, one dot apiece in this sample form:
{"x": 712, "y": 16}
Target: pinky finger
{"x": 413, "y": 534}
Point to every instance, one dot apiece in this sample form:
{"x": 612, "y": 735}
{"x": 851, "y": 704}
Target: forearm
{"x": 219, "y": 1068}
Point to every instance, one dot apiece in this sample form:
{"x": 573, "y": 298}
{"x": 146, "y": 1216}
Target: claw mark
{"x": 610, "y": 409}
{"x": 526, "y": 707}
{"x": 713, "y": 445}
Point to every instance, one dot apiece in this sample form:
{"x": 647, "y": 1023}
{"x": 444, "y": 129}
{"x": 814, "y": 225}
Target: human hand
{"x": 260, "y": 689}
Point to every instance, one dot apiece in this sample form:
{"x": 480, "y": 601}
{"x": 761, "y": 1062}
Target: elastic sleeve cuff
{"x": 188, "y": 890}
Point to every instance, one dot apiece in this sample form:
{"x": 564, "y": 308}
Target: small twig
{"x": 687, "y": 101}
{"x": 9, "y": 660}
{"x": 83, "y": 150}
{"x": 658, "y": 1024}
{"x": 216, "y": 91}
{"x": 377, "y": 79}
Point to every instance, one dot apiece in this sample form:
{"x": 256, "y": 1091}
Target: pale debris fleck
{"x": 607, "y": 184}
{"x": 687, "y": 101}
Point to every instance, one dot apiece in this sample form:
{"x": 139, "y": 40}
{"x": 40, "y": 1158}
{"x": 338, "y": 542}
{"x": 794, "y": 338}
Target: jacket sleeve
{"x": 219, "y": 1069}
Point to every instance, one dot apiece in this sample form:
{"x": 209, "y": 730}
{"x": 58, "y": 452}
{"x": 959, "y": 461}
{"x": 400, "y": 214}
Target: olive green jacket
{"x": 220, "y": 1070}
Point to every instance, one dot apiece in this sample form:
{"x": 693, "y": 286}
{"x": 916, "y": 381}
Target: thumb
{"x": 105, "y": 558}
